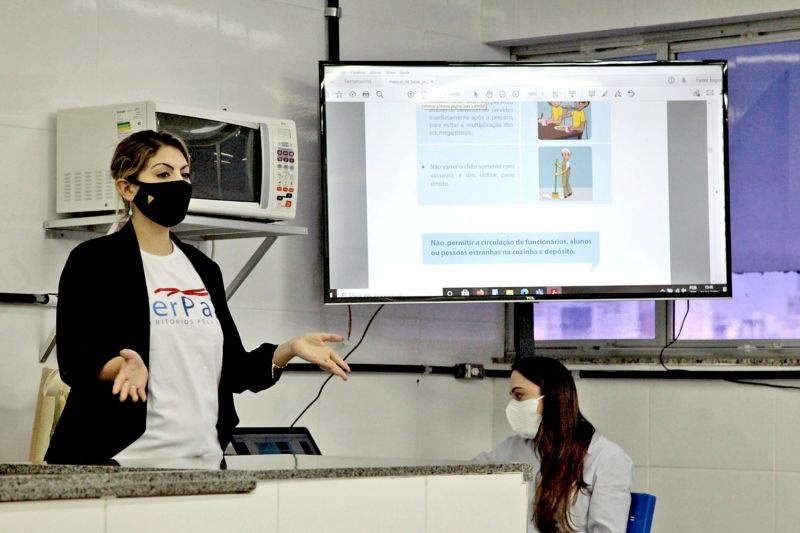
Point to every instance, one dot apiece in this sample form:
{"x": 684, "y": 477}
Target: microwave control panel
{"x": 282, "y": 201}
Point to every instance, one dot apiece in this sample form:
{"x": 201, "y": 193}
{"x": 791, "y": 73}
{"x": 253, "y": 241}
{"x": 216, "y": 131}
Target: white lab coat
{"x": 608, "y": 470}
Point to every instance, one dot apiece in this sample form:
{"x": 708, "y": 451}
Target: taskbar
{"x": 536, "y": 293}
{"x": 562, "y": 292}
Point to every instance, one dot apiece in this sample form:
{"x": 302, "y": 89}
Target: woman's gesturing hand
{"x": 131, "y": 380}
{"x": 313, "y": 348}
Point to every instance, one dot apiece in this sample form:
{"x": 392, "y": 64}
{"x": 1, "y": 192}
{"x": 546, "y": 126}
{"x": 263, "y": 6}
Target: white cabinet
{"x": 355, "y": 505}
{"x": 421, "y": 503}
{"x": 425, "y": 504}
{"x": 477, "y": 504}
{"x": 63, "y": 516}
{"x": 255, "y": 512}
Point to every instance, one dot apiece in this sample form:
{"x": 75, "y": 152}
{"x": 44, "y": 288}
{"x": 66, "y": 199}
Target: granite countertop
{"x": 265, "y": 467}
{"x": 120, "y": 483}
{"x": 28, "y": 482}
{"x": 761, "y": 359}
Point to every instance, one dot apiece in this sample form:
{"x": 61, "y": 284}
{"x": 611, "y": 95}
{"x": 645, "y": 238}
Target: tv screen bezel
{"x": 587, "y": 293}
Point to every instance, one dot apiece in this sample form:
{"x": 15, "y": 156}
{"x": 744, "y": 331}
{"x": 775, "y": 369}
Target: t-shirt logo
{"x": 188, "y": 292}
{"x": 186, "y": 306}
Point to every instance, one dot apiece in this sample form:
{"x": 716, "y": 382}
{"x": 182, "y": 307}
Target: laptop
{"x": 275, "y": 440}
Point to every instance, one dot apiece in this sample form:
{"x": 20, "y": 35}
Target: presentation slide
{"x": 496, "y": 185}
{"x": 476, "y": 188}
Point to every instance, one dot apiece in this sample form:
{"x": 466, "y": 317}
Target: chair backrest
{"x": 49, "y": 404}
{"x": 640, "y": 517}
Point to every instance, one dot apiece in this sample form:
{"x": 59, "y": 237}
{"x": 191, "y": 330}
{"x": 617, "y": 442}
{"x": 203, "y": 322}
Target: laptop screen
{"x": 273, "y": 440}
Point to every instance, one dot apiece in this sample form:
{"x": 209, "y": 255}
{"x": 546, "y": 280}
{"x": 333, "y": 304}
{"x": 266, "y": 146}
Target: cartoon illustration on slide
{"x": 563, "y": 169}
{"x": 556, "y": 113}
{"x": 565, "y": 173}
{"x": 564, "y": 120}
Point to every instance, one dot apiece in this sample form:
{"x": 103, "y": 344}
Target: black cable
{"x": 673, "y": 341}
{"x": 24, "y": 298}
{"x": 758, "y": 384}
{"x": 333, "y": 14}
{"x": 319, "y": 393}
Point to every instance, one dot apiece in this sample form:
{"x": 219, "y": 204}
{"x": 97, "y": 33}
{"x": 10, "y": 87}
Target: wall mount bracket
{"x": 193, "y": 228}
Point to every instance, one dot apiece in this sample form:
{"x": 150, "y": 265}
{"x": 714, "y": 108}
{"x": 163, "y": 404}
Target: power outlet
{"x": 469, "y": 371}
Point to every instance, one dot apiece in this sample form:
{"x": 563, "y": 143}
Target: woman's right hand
{"x": 131, "y": 379}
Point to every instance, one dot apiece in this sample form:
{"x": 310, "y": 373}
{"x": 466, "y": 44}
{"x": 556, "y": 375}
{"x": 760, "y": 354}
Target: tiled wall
{"x": 258, "y": 57}
{"x": 720, "y": 457}
{"x": 512, "y": 20}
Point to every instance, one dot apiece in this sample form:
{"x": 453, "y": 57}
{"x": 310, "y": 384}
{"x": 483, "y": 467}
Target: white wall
{"x": 257, "y": 57}
{"x": 513, "y": 20}
{"x": 376, "y": 415}
{"x": 719, "y": 456}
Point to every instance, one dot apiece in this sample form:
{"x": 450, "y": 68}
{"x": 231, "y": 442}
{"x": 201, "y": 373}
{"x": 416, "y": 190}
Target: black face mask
{"x": 164, "y": 203}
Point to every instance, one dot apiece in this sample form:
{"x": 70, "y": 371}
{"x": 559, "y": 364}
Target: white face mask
{"x": 523, "y": 418}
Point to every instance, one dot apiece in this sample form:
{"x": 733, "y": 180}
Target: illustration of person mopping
{"x": 562, "y": 169}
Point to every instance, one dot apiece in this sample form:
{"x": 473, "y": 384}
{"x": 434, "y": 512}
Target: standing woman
{"x": 145, "y": 337}
{"x": 582, "y": 480}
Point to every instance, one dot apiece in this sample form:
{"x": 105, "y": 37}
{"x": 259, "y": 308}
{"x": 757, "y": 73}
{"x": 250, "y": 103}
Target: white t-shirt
{"x": 185, "y": 364}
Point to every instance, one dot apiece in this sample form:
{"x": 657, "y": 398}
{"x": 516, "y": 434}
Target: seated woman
{"x": 582, "y": 480}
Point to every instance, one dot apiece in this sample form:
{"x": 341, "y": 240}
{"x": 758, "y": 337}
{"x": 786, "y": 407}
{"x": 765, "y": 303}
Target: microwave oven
{"x": 242, "y": 166}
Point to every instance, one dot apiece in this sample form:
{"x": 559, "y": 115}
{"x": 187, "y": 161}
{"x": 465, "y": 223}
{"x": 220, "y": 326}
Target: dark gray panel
{"x": 688, "y": 192}
{"x": 347, "y": 195}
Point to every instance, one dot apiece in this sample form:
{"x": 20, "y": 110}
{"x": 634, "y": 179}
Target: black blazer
{"x": 103, "y": 307}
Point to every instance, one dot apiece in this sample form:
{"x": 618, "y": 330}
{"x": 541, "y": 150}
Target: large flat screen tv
{"x": 524, "y": 181}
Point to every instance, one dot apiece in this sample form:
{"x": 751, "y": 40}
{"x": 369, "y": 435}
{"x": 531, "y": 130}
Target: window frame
{"x": 665, "y": 44}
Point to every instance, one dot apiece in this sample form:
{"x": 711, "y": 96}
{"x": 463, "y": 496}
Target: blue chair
{"x": 640, "y": 517}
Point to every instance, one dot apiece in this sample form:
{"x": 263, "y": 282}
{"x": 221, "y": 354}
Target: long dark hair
{"x": 561, "y": 443}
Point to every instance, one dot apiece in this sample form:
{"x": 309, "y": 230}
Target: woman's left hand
{"x": 313, "y": 348}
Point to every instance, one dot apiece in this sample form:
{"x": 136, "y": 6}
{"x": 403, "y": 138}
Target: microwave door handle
{"x": 266, "y": 161}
